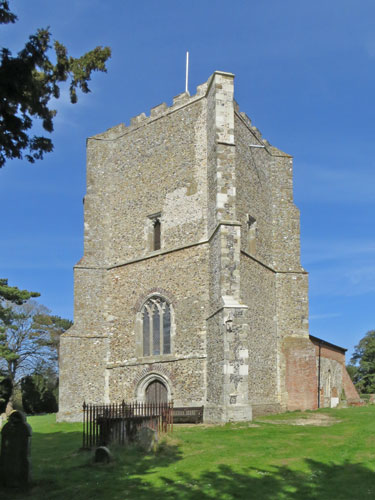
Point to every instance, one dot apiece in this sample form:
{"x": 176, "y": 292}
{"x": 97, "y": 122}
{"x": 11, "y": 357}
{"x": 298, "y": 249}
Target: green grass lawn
{"x": 234, "y": 461}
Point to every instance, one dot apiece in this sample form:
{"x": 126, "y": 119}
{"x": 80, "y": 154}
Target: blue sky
{"x": 305, "y": 75}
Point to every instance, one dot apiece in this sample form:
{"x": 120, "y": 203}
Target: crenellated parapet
{"x": 156, "y": 112}
{"x": 163, "y": 109}
{"x": 179, "y": 101}
{"x": 260, "y": 140}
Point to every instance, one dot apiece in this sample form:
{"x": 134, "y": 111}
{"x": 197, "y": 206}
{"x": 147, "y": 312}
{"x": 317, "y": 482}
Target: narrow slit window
{"x": 157, "y": 231}
{"x": 251, "y": 234}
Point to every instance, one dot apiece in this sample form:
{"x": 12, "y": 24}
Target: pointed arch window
{"x": 156, "y": 326}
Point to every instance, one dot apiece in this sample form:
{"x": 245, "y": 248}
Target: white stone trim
{"x": 140, "y": 390}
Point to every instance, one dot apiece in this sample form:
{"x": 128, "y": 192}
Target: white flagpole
{"x": 187, "y": 72}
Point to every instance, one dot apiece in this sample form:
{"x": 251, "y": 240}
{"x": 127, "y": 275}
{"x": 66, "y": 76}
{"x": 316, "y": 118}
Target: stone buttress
{"x": 227, "y": 328}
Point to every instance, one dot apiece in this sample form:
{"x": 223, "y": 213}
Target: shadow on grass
{"x": 61, "y": 468}
{"x": 61, "y": 471}
{"x": 339, "y": 482}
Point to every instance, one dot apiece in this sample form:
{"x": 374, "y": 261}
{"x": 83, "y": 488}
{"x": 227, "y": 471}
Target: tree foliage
{"x": 30, "y": 80}
{"x": 29, "y": 340}
{"x": 9, "y": 295}
{"x": 21, "y": 351}
{"x": 14, "y": 294}
{"x": 48, "y": 328}
{"x": 363, "y": 364}
{"x": 40, "y": 391}
{"x": 352, "y": 371}
{"x": 5, "y": 391}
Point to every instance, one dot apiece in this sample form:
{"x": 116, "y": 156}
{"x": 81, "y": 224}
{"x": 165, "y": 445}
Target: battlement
{"x": 179, "y": 101}
{"x": 156, "y": 112}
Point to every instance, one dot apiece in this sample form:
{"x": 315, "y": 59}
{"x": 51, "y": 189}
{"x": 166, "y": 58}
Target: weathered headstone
{"x": 102, "y": 455}
{"x": 147, "y": 438}
{"x": 15, "y": 469}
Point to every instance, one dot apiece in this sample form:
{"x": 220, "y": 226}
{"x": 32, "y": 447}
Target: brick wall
{"x": 300, "y": 377}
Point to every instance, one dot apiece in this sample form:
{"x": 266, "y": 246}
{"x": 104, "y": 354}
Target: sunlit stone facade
{"x": 191, "y": 281}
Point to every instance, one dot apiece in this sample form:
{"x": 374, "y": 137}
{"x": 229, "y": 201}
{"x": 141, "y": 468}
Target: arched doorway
{"x": 156, "y": 392}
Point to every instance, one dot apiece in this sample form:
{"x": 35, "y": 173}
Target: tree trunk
{"x": 9, "y": 407}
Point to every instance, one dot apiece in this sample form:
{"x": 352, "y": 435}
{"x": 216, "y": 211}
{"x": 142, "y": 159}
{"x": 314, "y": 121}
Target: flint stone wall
{"x": 237, "y": 291}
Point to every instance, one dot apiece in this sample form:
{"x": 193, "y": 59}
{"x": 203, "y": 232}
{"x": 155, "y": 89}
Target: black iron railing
{"x": 120, "y": 422}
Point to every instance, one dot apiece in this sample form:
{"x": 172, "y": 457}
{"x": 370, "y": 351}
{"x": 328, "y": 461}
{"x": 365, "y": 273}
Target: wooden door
{"x": 156, "y": 392}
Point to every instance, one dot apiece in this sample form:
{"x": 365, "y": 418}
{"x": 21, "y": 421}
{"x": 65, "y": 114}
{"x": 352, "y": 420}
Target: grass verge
{"x": 269, "y": 460}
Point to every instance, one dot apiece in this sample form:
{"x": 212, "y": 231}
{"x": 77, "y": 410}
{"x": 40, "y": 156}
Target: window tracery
{"x": 156, "y": 327}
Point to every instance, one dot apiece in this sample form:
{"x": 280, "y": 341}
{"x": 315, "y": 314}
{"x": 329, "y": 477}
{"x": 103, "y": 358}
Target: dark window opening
{"x": 157, "y": 228}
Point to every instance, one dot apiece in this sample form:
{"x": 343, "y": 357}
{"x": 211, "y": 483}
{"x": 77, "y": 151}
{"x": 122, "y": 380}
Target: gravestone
{"x": 15, "y": 451}
{"x": 147, "y": 438}
{"x": 102, "y": 455}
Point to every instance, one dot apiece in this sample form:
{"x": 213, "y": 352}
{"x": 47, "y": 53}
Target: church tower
{"x": 190, "y": 288}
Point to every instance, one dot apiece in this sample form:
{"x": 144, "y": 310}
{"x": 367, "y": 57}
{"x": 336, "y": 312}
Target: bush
{"x": 39, "y": 394}
{"x": 5, "y": 392}
{"x": 365, "y": 397}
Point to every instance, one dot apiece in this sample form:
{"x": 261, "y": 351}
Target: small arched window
{"x": 156, "y": 327}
